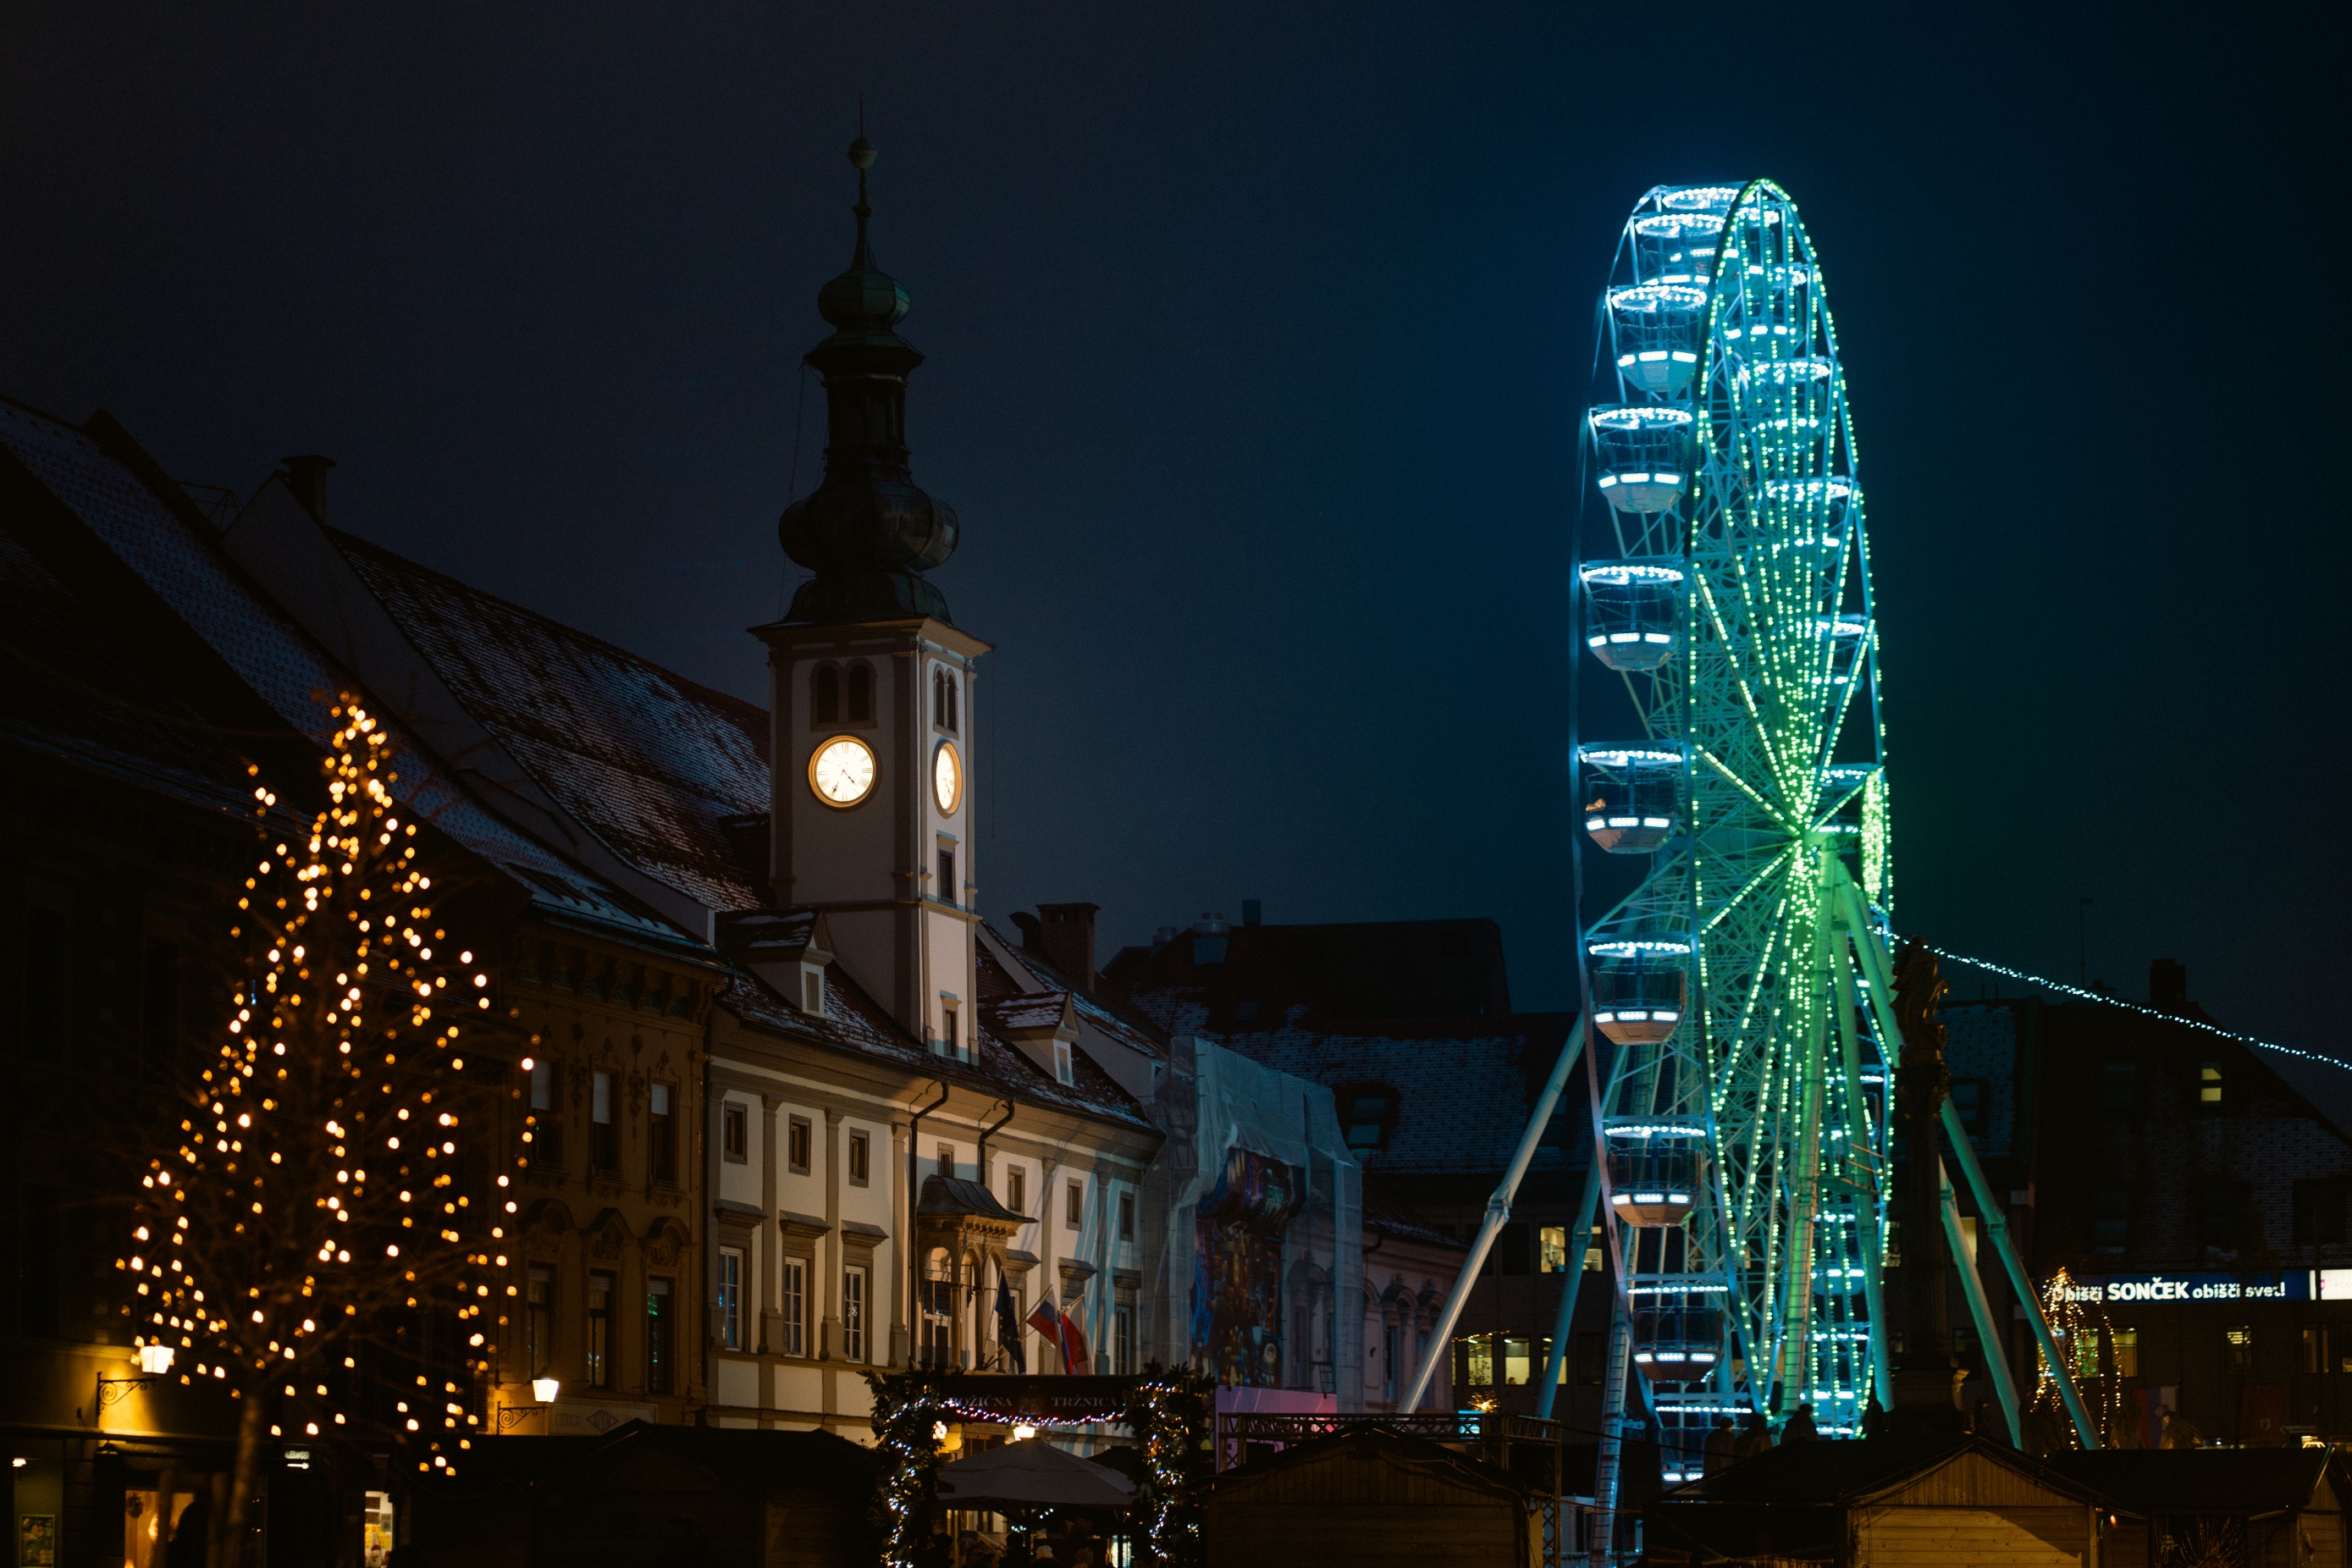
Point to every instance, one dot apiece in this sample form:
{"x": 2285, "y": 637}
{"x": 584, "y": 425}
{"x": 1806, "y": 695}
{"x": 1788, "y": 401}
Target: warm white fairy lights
{"x": 314, "y": 1200}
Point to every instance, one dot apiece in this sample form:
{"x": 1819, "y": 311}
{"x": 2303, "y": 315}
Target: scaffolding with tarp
{"x": 1253, "y": 1245}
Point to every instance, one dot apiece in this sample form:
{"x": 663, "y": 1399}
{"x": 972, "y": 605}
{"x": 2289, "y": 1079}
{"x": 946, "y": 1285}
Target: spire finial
{"x": 861, "y": 157}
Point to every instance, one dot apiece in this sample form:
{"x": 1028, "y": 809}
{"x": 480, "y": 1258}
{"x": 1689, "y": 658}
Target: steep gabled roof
{"x": 174, "y": 557}
{"x": 653, "y": 763}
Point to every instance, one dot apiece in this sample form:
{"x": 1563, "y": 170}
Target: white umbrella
{"x": 1033, "y": 1471}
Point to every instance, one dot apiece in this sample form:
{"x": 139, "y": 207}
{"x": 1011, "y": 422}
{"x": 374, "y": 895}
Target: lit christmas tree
{"x": 2079, "y": 1327}
{"x": 313, "y": 1243}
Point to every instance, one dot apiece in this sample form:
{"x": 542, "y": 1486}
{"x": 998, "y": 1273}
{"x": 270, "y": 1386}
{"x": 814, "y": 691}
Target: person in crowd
{"x": 1799, "y": 1428}
{"x": 1757, "y": 1439}
{"x": 1722, "y": 1446}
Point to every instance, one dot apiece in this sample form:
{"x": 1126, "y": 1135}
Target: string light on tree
{"x": 312, "y": 1210}
{"x": 2079, "y": 1325}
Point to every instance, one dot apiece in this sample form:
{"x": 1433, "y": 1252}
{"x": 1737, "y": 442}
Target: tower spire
{"x": 866, "y": 531}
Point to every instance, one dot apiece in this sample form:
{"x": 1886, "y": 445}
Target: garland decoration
{"x": 1168, "y": 1411}
{"x": 908, "y": 1409}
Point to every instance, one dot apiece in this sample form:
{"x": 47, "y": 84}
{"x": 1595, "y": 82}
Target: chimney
{"x": 2167, "y": 986}
{"x": 307, "y": 476}
{"x": 1065, "y": 936}
{"x": 1252, "y": 912}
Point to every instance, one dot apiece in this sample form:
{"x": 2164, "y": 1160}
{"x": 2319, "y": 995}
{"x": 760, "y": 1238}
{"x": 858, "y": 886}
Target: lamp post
{"x": 543, "y": 1390}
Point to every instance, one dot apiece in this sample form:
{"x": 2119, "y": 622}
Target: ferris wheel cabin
{"x": 1633, "y": 613}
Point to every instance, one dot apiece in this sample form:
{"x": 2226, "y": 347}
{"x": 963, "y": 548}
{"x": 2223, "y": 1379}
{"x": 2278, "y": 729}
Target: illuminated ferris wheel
{"x": 1725, "y": 583}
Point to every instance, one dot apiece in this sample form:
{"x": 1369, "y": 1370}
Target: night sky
{"x": 1258, "y": 337}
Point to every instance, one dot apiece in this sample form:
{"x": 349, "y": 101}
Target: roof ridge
{"x": 686, "y": 683}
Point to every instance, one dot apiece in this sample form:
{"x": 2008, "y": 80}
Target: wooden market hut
{"x": 1889, "y": 1502}
{"x": 1368, "y": 1498}
{"x": 2240, "y": 1505}
{"x": 644, "y": 1494}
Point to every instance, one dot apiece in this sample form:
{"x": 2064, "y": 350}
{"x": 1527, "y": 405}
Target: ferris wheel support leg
{"x": 1565, "y": 1325}
{"x": 1988, "y": 1335}
{"x": 1995, "y": 1220}
{"x": 1994, "y": 1217}
{"x": 1498, "y": 1209}
{"x": 1605, "y": 1489}
{"x": 1882, "y": 1367}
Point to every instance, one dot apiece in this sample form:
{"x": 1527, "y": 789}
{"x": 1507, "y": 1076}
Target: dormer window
{"x": 812, "y": 990}
{"x": 1063, "y": 1072}
{"x": 1368, "y": 1115}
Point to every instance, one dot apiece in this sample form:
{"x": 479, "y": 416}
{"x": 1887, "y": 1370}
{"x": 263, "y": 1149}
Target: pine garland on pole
{"x": 1168, "y": 1414}
{"x": 309, "y": 1207}
{"x": 908, "y": 1409}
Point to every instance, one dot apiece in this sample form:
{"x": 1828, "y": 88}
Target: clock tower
{"x": 870, "y": 685}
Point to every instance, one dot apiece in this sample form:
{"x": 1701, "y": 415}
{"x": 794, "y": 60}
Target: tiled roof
{"x": 1243, "y": 974}
{"x": 274, "y": 659}
{"x": 652, "y": 762}
{"x": 1464, "y": 1088}
{"x": 854, "y": 1022}
{"x": 1109, "y": 1012}
{"x": 70, "y": 690}
{"x": 1031, "y": 1010}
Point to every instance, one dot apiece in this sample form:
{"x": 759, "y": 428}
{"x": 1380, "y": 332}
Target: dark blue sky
{"x": 1257, "y": 338}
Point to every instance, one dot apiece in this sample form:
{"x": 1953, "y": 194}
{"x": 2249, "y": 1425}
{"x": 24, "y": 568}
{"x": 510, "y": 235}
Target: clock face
{"x": 947, "y": 778}
{"x": 842, "y": 771}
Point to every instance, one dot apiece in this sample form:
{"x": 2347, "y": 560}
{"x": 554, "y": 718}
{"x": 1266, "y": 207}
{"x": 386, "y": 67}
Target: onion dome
{"x": 867, "y": 531}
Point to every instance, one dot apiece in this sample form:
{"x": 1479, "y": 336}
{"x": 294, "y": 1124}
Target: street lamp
{"x": 154, "y": 1361}
{"x": 543, "y": 1390}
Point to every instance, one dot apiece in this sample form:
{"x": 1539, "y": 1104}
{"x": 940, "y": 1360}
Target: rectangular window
{"x": 159, "y": 1008}
{"x": 2209, "y": 1086}
{"x": 2238, "y": 1351}
{"x": 1074, "y": 1205}
{"x": 1551, "y": 1249}
{"x": 1477, "y": 1362}
{"x": 1122, "y": 1338}
{"x": 1516, "y": 1356}
{"x": 2119, "y": 1088}
{"x": 1065, "y": 1069}
{"x": 2127, "y": 1348}
{"x": 735, "y": 1133}
{"x": 547, "y": 1133}
{"x": 852, "y": 1313}
{"x": 1589, "y": 1357}
{"x": 730, "y": 1298}
{"x": 860, "y": 1158}
{"x": 1126, "y": 1216}
{"x": 2111, "y": 1209}
{"x": 1389, "y": 1364}
{"x": 798, "y": 1139}
{"x": 604, "y": 1138}
{"x": 947, "y": 1159}
{"x": 2220, "y": 1207}
{"x": 1968, "y": 1101}
{"x": 1016, "y": 1191}
{"x": 45, "y": 980}
{"x": 813, "y": 991}
{"x": 538, "y": 1321}
{"x": 2319, "y": 1212}
{"x": 1513, "y": 1247}
{"x": 661, "y": 1338}
{"x": 2315, "y": 1348}
{"x": 794, "y": 1307}
{"x": 951, "y": 1032}
{"x": 600, "y": 1331}
{"x": 948, "y": 888}
{"x": 662, "y": 1143}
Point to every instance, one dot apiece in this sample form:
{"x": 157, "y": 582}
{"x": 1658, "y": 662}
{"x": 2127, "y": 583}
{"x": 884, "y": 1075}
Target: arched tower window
{"x": 861, "y": 692}
{"x": 824, "y": 696}
{"x": 949, "y": 681}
